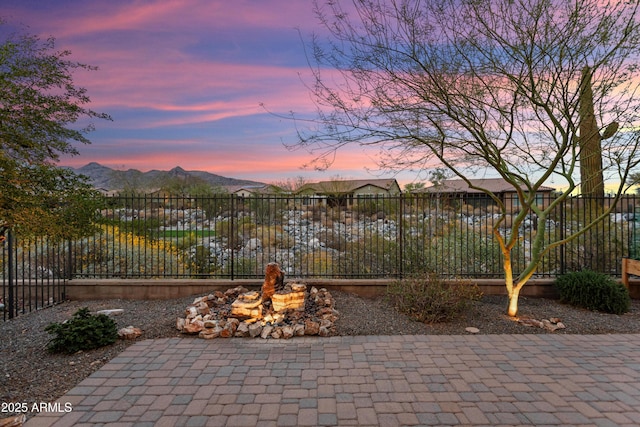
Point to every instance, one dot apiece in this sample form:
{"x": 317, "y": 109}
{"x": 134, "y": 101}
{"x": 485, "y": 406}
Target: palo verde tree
{"x": 474, "y": 85}
{"x": 39, "y": 103}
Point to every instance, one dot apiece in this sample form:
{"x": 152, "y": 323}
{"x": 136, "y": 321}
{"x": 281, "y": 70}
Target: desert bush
{"x": 84, "y": 331}
{"x": 370, "y": 254}
{"x": 599, "y": 248}
{"x": 428, "y": 298}
{"x": 270, "y": 235}
{"x": 317, "y": 262}
{"x": 594, "y": 291}
{"x": 242, "y": 266}
{"x": 234, "y": 231}
{"x": 465, "y": 252}
{"x": 201, "y": 260}
{"x": 118, "y": 254}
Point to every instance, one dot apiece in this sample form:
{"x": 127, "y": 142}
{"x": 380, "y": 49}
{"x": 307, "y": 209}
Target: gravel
{"x": 28, "y": 373}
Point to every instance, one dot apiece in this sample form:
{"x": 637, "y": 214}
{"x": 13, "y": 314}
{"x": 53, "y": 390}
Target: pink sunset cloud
{"x": 197, "y": 84}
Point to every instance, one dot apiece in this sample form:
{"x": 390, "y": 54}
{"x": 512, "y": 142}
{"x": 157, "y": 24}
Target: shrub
{"x": 83, "y": 331}
{"x": 465, "y": 251}
{"x": 117, "y": 254}
{"x": 429, "y": 299}
{"x": 242, "y": 266}
{"x": 594, "y": 291}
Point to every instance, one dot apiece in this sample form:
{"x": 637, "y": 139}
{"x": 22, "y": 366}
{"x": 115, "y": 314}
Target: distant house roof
{"x": 495, "y": 185}
{"x": 253, "y": 189}
{"x": 348, "y": 186}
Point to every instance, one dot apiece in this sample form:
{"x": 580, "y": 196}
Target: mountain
{"x": 105, "y": 178}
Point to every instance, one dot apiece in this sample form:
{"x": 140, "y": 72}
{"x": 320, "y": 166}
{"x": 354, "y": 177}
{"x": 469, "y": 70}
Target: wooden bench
{"x": 629, "y": 267}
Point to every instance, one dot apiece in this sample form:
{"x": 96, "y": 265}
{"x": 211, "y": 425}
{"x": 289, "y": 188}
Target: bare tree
{"x": 291, "y": 185}
{"x": 475, "y": 85}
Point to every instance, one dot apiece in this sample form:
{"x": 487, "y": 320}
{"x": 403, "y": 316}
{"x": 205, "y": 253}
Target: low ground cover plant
{"x": 594, "y": 291}
{"x": 84, "y": 331}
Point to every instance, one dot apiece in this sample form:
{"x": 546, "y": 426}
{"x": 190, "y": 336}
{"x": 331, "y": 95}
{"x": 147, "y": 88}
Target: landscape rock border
{"x": 211, "y": 316}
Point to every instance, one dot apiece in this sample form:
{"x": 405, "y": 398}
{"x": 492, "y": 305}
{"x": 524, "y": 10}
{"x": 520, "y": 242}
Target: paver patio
{"x": 586, "y": 380}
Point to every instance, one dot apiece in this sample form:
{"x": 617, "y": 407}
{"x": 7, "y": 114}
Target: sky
{"x": 193, "y": 83}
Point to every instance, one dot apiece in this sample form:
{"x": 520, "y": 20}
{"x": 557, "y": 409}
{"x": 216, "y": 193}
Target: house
{"x": 254, "y": 190}
{"x": 458, "y": 189}
{"x": 347, "y": 192}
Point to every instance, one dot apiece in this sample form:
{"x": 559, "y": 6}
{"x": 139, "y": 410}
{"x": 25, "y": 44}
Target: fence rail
{"x": 224, "y": 236}
{"x": 34, "y": 274}
{"x": 367, "y": 237}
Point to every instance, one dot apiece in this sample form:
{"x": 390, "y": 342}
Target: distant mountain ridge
{"x": 105, "y": 178}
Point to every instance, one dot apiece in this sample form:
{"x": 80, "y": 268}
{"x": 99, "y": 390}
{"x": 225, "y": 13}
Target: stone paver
{"x": 587, "y": 380}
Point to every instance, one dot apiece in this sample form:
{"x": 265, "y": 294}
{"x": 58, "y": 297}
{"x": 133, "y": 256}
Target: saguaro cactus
{"x": 591, "y": 173}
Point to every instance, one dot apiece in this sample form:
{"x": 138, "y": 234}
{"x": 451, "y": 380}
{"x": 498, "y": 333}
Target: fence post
{"x": 401, "y": 235}
{"x": 562, "y": 206}
{"x": 10, "y": 273}
{"x": 231, "y": 233}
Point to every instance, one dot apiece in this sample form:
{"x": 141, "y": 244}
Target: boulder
{"x": 129, "y": 333}
{"x": 291, "y": 298}
{"x": 14, "y": 421}
{"x": 311, "y": 327}
{"x": 247, "y": 305}
{"x": 273, "y": 280}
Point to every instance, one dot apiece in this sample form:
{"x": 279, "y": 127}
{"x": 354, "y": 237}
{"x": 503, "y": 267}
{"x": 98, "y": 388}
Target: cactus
{"x": 591, "y": 175}
{"x": 590, "y": 140}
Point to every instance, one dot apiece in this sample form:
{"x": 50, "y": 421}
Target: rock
{"x": 266, "y": 331}
{"x": 253, "y": 244}
{"x": 552, "y": 326}
{"x": 193, "y": 327}
{"x": 255, "y": 329}
{"x": 273, "y": 280}
{"x": 15, "y": 421}
{"x": 241, "y": 313}
{"x": 234, "y": 292}
{"x": 202, "y": 308}
{"x": 531, "y": 322}
{"x": 326, "y": 323}
{"x": 291, "y": 297}
{"x": 191, "y": 312}
{"x": 246, "y": 307}
{"x": 472, "y": 330}
{"x": 242, "y": 330}
{"x": 298, "y": 329}
{"x": 210, "y": 323}
{"x": 230, "y": 328}
{"x": 111, "y": 312}
{"x": 249, "y": 296}
{"x": 546, "y": 324}
{"x": 311, "y": 327}
{"x": 180, "y": 322}
{"x": 287, "y": 332}
{"x": 210, "y": 333}
{"x": 276, "y": 332}
{"x": 129, "y": 333}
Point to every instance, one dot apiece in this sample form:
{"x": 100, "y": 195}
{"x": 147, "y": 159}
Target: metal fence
{"x": 224, "y": 236}
{"x": 34, "y": 274}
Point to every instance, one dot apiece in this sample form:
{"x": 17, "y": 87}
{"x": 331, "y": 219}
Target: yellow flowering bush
{"x": 113, "y": 253}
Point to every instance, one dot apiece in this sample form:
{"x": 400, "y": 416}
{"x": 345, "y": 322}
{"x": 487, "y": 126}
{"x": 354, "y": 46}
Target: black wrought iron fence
{"x": 225, "y": 236}
{"x": 34, "y": 273}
